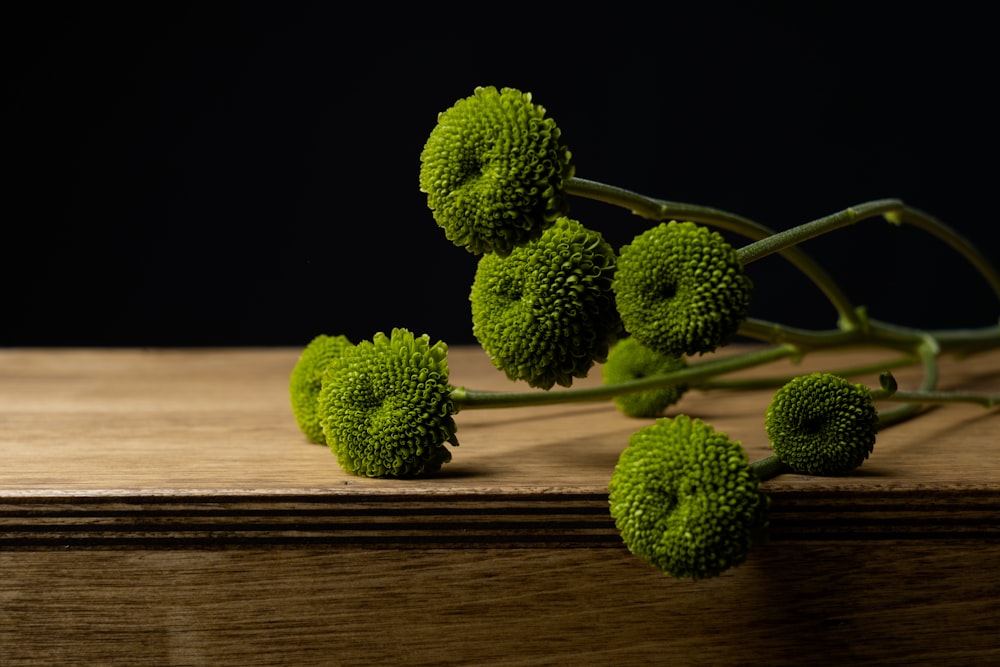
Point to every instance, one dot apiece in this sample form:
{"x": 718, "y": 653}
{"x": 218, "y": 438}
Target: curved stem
{"x": 928, "y": 223}
{"x": 790, "y": 237}
{"x": 928, "y": 351}
{"x": 893, "y": 210}
{"x": 470, "y": 398}
{"x": 659, "y": 209}
{"x": 652, "y": 208}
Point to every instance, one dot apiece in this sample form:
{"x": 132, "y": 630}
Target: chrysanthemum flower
{"x": 546, "y": 313}
{"x": 385, "y": 406}
{"x": 307, "y": 379}
{"x": 681, "y": 289}
{"x": 821, "y": 424}
{"x": 630, "y": 360}
{"x": 494, "y": 169}
{"x": 685, "y": 499}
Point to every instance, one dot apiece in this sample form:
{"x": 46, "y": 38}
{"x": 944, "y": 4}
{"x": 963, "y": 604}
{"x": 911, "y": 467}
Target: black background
{"x": 246, "y": 173}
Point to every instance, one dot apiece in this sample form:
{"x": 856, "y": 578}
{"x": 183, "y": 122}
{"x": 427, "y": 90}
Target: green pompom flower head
{"x": 681, "y": 289}
{"x": 821, "y": 424}
{"x": 685, "y": 499}
{"x": 307, "y": 379}
{"x": 493, "y": 169}
{"x": 546, "y": 313}
{"x": 630, "y": 360}
{"x": 385, "y": 406}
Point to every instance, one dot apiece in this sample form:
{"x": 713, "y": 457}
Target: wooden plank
{"x": 828, "y": 603}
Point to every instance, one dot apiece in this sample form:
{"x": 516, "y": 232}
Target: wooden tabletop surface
{"x": 173, "y": 420}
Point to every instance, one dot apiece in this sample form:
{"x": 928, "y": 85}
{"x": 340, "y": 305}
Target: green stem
{"x": 659, "y": 209}
{"x": 779, "y": 381}
{"x": 929, "y": 397}
{"x": 893, "y": 210}
{"x": 769, "y": 467}
{"x": 874, "y": 333}
{"x": 959, "y": 243}
{"x": 928, "y": 351}
{"x": 959, "y": 342}
{"x": 652, "y": 208}
{"x": 464, "y": 398}
{"x": 790, "y": 237}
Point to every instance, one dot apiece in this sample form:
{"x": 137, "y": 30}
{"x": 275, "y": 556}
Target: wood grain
{"x": 828, "y": 604}
{"x": 161, "y": 507}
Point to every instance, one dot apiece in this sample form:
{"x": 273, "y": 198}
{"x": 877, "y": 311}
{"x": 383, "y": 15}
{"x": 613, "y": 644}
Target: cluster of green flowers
{"x": 382, "y": 406}
{"x": 550, "y": 296}
{"x": 551, "y": 299}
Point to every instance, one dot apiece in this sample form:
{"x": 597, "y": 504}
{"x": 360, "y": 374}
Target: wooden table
{"x": 160, "y": 507}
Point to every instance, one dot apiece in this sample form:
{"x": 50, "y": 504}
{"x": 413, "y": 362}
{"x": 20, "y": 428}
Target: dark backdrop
{"x": 246, "y": 173}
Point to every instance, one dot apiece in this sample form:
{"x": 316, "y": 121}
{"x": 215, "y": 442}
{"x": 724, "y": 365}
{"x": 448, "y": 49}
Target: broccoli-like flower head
{"x": 821, "y": 424}
{"x": 307, "y": 379}
{"x": 681, "y": 289}
{"x": 685, "y": 499}
{"x": 494, "y": 170}
{"x": 546, "y": 313}
{"x": 385, "y": 406}
{"x": 631, "y": 360}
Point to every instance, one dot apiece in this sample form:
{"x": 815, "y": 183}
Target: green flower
{"x": 307, "y": 379}
{"x": 821, "y": 424}
{"x": 685, "y": 499}
{"x": 630, "y": 360}
{"x": 681, "y": 289}
{"x": 493, "y": 171}
{"x": 546, "y": 313}
{"x": 386, "y": 408}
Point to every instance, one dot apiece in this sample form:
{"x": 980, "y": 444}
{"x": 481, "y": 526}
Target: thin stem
{"x": 874, "y": 333}
{"x": 928, "y": 397}
{"x": 893, "y": 210}
{"x": 774, "y": 332}
{"x": 779, "y": 381}
{"x": 790, "y": 237}
{"x": 954, "y": 341}
{"x": 659, "y": 209}
{"x": 769, "y": 467}
{"x": 928, "y": 223}
{"x": 464, "y": 398}
{"x": 652, "y": 208}
{"x": 928, "y": 351}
